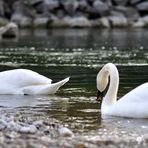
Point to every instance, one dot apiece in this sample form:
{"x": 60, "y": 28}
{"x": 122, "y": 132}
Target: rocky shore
{"x": 74, "y": 13}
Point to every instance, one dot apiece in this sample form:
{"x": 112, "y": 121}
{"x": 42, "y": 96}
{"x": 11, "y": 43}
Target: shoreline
{"x": 76, "y": 13}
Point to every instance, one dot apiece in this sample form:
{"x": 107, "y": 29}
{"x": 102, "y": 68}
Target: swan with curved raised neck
{"x": 134, "y": 104}
{"x": 28, "y": 82}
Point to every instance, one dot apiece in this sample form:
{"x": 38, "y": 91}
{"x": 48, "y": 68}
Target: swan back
{"x": 23, "y": 77}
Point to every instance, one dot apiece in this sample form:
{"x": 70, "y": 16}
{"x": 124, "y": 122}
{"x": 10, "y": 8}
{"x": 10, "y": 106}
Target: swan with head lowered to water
{"x": 134, "y": 104}
{"x": 27, "y": 82}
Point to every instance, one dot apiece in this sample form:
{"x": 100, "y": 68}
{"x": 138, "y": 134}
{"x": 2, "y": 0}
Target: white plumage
{"x": 24, "y": 81}
{"x": 134, "y": 104}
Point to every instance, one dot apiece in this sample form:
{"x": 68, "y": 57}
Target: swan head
{"x": 102, "y": 80}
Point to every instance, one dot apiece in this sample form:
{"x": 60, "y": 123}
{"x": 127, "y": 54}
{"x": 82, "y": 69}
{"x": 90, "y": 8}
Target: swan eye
{"x": 99, "y": 96}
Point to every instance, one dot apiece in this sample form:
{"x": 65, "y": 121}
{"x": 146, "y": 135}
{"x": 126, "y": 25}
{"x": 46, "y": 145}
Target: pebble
{"x": 28, "y": 129}
{"x": 65, "y": 132}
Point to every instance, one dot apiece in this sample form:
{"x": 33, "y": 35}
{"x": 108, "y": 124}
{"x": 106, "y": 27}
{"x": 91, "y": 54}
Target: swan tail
{"x": 52, "y": 88}
{"x": 55, "y": 86}
{"x": 46, "y": 89}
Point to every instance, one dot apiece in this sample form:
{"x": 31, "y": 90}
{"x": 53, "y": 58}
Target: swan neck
{"x": 111, "y": 95}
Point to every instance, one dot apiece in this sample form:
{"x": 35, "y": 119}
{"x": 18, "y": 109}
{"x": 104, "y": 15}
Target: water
{"x": 78, "y": 53}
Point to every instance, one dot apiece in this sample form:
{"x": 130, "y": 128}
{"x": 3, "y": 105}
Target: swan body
{"x": 134, "y": 104}
{"x": 24, "y": 81}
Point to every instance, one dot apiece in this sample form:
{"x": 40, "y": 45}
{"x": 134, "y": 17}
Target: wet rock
{"x": 78, "y": 21}
{"x": 143, "y": 6}
{"x": 116, "y": 13}
{"x": 2, "y": 8}
{"x": 70, "y": 7}
{"x": 41, "y": 21}
{"x": 120, "y": 2}
{"x": 118, "y": 21}
{"x": 60, "y": 14}
{"x": 22, "y": 21}
{"x": 9, "y": 31}
{"x": 95, "y": 23}
{"x": 138, "y": 23}
{"x": 134, "y": 1}
{"x": 104, "y": 22}
{"x": 22, "y": 14}
{"x": 34, "y": 2}
{"x": 82, "y": 5}
{"x": 144, "y": 20}
{"x": 100, "y": 8}
{"x": 46, "y": 6}
{"x": 56, "y": 22}
{"x": 3, "y": 21}
{"x": 51, "y": 4}
{"x": 129, "y": 12}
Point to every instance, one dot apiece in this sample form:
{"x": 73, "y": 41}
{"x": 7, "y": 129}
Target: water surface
{"x": 78, "y": 53}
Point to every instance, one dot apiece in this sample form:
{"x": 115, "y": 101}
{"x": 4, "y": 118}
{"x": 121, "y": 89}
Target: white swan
{"x": 24, "y": 81}
{"x": 134, "y": 104}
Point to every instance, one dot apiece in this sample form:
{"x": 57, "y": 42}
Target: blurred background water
{"x": 78, "y": 53}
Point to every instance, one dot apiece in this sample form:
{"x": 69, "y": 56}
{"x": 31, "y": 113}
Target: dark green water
{"x": 78, "y": 53}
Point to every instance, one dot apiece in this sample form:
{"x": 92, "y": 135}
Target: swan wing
{"x": 43, "y": 89}
{"x": 23, "y": 77}
{"x": 139, "y": 94}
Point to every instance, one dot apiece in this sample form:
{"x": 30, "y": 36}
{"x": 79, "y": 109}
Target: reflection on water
{"x": 80, "y": 54}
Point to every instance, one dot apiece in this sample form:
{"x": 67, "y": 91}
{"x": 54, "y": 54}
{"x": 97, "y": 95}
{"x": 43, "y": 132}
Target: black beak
{"x": 99, "y": 96}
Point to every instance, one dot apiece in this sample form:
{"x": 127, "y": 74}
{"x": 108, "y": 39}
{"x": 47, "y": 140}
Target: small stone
{"x": 13, "y": 126}
{"x": 28, "y": 129}
{"x": 3, "y": 124}
{"x": 80, "y": 145}
{"x": 65, "y": 132}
